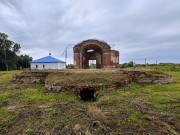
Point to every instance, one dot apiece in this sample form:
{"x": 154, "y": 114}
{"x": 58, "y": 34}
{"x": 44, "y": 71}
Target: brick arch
{"x": 96, "y": 54}
{"x": 102, "y": 54}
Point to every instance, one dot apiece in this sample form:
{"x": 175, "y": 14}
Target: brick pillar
{"x": 77, "y": 60}
{"x": 98, "y": 60}
{"x": 106, "y": 59}
{"x": 114, "y": 59}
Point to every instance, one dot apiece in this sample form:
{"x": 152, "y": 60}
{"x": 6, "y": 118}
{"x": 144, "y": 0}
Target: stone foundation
{"x": 77, "y": 81}
{"x": 30, "y": 77}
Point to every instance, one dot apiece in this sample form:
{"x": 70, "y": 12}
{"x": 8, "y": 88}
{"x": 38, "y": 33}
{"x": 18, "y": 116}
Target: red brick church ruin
{"x": 96, "y": 50}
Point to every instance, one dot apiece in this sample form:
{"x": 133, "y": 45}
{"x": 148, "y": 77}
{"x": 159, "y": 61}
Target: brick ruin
{"x": 95, "y": 50}
{"x": 86, "y": 84}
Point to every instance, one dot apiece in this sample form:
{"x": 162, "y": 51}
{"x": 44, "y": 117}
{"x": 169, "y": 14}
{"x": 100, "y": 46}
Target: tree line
{"x": 9, "y": 58}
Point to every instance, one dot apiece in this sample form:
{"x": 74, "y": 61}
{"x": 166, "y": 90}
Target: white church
{"x": 48, "y": 62}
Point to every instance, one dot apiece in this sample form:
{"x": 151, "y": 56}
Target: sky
{"x": 138, "y": 29}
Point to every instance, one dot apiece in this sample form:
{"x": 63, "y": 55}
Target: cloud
{"x": 139, "y": 29}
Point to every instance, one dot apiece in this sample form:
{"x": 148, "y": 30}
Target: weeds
{"x": 139, "y": 118}
{"x": 154, "y": 108}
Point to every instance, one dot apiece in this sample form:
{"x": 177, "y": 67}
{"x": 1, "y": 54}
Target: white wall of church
{"x": 41, "y": 66}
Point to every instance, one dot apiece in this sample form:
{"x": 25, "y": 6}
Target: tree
{"x": 70, "y": 66}
{"x": 23, "y": 61}
{"x": 129, "y": 64}
{"x": 8, "y": 52}
{"x": 3, "y": 38}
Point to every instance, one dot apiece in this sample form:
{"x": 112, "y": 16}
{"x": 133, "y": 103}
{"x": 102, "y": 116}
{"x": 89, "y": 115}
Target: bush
{"x": 70, "y": 66}
{"x": 129, "y": 64}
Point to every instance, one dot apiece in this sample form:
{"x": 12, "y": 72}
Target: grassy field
{"x": 139, "y": 109}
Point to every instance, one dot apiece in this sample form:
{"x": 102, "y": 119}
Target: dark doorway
{"x": 87, "y": 94}
{"x": 93, "y": 55}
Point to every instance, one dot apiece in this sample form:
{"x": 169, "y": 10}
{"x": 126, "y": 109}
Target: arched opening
{"x": 93, "y": 49}
{"x": 87, "y": 94}
{"x": 92, "y": 53}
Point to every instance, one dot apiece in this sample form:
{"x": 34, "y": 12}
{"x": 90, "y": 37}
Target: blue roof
{"x": 48, "y": 59}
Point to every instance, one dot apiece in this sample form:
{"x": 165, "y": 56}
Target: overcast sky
{"x": 139, "y": 28}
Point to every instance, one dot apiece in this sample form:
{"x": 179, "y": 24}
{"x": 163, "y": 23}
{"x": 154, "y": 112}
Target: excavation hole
{"x": 87, "y": 94}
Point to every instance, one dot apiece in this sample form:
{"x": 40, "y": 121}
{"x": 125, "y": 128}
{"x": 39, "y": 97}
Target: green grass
{"x": 6, "y": 76}
{"x": 119, "y": 111}
{"x": 6, "y": 117}
{"x": 138, "y": 117}
{"x": 34, "y": 95}
{"x": 4, "y": 97}
{"x": 37, "y": 95}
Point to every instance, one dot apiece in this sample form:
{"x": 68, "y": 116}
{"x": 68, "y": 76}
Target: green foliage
{"x": 6, "y": 117}
{"x": 162, "y": 66}
{"x": 9, "y": 60}
{"x": 7, "y": 76}
{"x": 70, "y": 66}
{"x": 129, "y": 64}
{"x": 4, "y": 97}
{"x": 23, "y": 61}
{"x": 37, "y": 95}
{"x": 128, "y": 108}
{"x": 164, "y": 97}
{"x": 138, "y": 117}
{"x": 8, "y": 53}
{"x": 92, "y": 66}
{"x": 101, "y": 92}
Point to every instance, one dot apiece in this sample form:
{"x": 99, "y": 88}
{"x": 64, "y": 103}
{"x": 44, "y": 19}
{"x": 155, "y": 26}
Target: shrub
{"x": 129, "y": 64}
{"x": 70, "y": 66}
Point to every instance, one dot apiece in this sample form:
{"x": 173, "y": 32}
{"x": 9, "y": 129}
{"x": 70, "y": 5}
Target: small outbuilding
{"x": 48, "y": 62}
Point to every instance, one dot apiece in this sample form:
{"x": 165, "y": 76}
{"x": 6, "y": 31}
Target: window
{"x": 36, "y": 66}
{"x": 43, "y": 66}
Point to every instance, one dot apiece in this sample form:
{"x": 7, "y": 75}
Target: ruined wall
{"x": 77, "y": 81}
{"x": 114, "y": 59}
{"x": 148, "y": 77}
{"x": 108, "y": 58}
{"x": 77, "y": 60}
{"x": 86, "y": 84}
{"x": 30, "y": 78}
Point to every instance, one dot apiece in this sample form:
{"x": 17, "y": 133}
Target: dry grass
{"x": 147, "y": 109}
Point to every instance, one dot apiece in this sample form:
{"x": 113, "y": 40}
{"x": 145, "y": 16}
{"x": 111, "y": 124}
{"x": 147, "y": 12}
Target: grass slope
{"x": 147, "y": 109}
